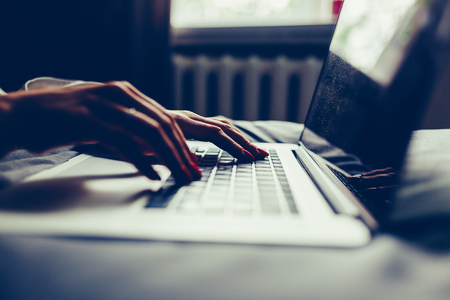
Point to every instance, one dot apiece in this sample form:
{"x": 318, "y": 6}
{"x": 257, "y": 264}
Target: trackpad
{"x": 94, "y": 182}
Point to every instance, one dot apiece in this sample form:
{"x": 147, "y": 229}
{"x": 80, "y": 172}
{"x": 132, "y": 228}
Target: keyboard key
{"x": 243, "y": 208}
{"x": 270, "y": 209}
{"x": 246, "y": 196}
{"x": 188, "y": 206}
{"x": 214, "y": 207}
{"x": 268, "y": 175}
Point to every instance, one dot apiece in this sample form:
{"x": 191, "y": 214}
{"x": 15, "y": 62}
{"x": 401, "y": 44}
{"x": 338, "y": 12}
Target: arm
{"x": 117, "y": 115}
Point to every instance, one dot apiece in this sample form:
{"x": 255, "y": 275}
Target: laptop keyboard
{"x": 375, "y": 208}
{"x": 230, "y": 187}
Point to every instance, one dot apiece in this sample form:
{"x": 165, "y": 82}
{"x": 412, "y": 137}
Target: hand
{"x": 377, "y": 184}
{"x": 115, "y": 114}
{"x": 218, "y": 131}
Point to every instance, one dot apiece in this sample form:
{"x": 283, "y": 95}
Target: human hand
{"x": 115, "y": 114}
{"x": 218, "y": 131}
{"x": 377, "y": 184}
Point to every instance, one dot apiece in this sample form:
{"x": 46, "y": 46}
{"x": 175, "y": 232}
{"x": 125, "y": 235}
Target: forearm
{"x": 5, "y": 129}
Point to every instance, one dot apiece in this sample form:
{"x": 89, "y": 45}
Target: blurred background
{"x": 239, "y": 13}
{"x": 245, "y": 59}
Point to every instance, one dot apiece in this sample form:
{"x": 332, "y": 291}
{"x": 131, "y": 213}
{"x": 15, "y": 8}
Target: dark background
{"x": 100, "y": 40}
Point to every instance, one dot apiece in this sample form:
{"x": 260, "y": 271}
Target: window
{"x": 248, "y": 13}
{"x": 218, "y": 23}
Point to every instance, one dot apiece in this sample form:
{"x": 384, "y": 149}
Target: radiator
{"x": 252, "y": 88}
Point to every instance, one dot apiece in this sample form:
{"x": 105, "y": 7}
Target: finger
{"x": 149, "y": 130}
{"x": 131, "y": 97}
{"x": 188, "y": 119}
{"x": 379, "y": 180}
{"x": 150, "y": 103}
{"x": 236, "y": 135}
{"x": 233, "y": 133}
{"x": 171, "y": 129}
{"x": 379, "y": 171}
{"x": 144, "y": 128}
{"x": 207, "y": 132}
{"x": 123, "y": 144}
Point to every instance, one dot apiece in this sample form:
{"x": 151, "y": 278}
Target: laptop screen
{"x": 373, "y": 84}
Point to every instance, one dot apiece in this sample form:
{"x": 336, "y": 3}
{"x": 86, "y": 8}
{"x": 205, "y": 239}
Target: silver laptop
{"x": 380, "y": 70}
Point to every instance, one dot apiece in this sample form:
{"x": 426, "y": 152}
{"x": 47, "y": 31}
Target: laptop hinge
{"x": 338, "y": 199}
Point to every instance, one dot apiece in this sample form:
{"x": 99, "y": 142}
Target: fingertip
{"x": 197, "y": 172}
{"x": 261, "y": 152}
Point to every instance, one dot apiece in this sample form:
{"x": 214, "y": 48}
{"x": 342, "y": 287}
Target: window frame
{"x": 315, "y": 35}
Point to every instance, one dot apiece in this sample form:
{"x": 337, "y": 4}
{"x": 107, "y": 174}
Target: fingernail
{"x": 188, "y": 173}
{"x": 356, "y": 176}
{"x": 197, "y": 173}
{"x": 194, "y": 157}
{"x": 262, "y": 152}
{"x": 248, "y": 154}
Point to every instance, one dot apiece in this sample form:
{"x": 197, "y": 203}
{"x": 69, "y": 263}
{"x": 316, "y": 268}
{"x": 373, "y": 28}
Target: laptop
{"x": 374, "y": 84}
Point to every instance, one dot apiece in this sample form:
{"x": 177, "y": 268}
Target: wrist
{"x": 5, "y": 130}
